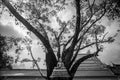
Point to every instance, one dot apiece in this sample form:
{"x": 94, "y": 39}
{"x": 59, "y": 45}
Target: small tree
{"x": 7, "y": 43}
{"x": 5, "y": 59}
{"x": 74, "y": 35}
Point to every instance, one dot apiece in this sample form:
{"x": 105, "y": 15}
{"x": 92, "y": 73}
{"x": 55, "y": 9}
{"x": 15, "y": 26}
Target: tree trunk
{"x": 61, "y": 78}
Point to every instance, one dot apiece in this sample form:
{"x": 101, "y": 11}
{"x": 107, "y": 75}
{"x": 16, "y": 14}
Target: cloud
{"x": 8, "y": 30}
{"x": 111, "y": 54}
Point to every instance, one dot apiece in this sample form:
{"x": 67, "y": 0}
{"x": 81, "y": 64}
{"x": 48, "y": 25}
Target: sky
{"x": 111, "y": 53}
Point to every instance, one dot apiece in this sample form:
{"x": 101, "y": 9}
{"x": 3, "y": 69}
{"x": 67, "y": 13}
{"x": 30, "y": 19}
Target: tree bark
{"x": 61, "y": 78}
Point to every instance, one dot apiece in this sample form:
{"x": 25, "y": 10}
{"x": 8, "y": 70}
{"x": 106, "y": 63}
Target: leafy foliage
{"x": 7, "y": 43}
{"x": 5, "y": 60}
{"x": 113, "y": 9}
{"x": 70, "y": 37}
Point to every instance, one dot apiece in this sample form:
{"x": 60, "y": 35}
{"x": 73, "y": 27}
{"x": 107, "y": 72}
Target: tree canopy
{"x": 83, "y": 30}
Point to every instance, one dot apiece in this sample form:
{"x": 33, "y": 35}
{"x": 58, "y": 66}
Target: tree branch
{"x": 104, "y": 36}
{"x": 65, "y": 50}
{"x": 93, "y": 23}
{"x": 78, "y": 22}
{"x": 65, "y": 25}
{"x": 90, "y": 7}
{"x": 43, "y": 30}
{"x": 76, "y": 34}
{"x": 58, "y": 44}
{"x": 65, "y": 45}
{"x": 74, "y": 57}
{"x": 79, "y": 61}
{"x": 27, "y": 24}
{"x": 29, "y": 49}
{"x": 93, "y": 44}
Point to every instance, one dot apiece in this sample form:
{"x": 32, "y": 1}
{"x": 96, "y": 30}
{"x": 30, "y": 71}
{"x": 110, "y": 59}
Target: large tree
{"x": 82, "y": 31}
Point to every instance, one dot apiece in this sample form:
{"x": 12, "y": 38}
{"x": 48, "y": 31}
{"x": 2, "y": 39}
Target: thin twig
{"x": 104, "y": 35}
{"x": 92, "y": 44}
{"x": 29, "y": 48}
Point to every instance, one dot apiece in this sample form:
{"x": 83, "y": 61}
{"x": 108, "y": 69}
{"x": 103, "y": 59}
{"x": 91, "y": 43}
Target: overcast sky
{"x": 110, "y": 54}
